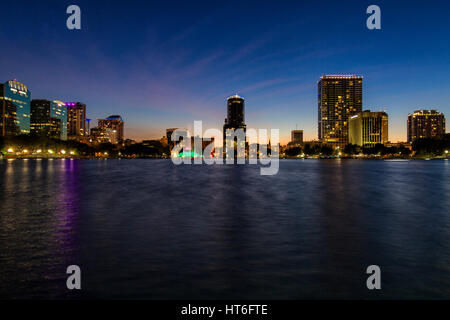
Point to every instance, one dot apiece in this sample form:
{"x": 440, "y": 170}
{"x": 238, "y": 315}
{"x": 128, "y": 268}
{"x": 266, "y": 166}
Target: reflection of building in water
{"x": 14, "y": 108}
{"x": 368, "y": 128}
{"x": 235, "y": 123}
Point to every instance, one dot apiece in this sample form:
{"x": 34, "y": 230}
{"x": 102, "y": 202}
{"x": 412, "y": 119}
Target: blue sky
{"x": 163, "y": 64}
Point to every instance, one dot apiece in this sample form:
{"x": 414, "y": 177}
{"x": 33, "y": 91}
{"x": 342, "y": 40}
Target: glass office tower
{"x": 15, "y": 105}
{"x": 49, "y": 118}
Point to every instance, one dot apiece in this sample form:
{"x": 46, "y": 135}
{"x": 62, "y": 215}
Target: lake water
{"x": 150, "y": 229}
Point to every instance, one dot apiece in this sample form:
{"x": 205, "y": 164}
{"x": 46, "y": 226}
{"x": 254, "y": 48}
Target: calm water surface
{"x": 149, "y": 229}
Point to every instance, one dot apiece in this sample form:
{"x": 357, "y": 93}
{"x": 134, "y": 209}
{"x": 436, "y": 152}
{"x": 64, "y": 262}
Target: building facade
{"x": 339, "y": 98}
{"x": 103, "y": 135}
{"x": 297, "y": 136}
{"x": 76, "y": 121}
{"x": 425, "y": 124}
{"x": 8, "y": 117}
{"x": 15, "y": 108}
{"x": 109, "y": 130}
{"x": 368, "y": 128}
{"x": 49, "y": 118}
{"x": 116, "y": 123}
{"x": 235, "y": 120}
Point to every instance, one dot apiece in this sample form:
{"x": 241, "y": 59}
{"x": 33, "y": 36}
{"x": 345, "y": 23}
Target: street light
{"x": 10, "y": 150}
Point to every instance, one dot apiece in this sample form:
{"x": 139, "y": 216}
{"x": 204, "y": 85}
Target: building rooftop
{"x": 423, "y": 112}
{"x": 17, "y": 85}
{"x": 72, "y": 104}
{"x": 114, "y": 117}
{"x": 235, "y": 97}
{"x": 340, "y": 76}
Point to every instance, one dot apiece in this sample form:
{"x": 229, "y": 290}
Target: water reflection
{"x": 36, "y": 242}
{"x": 149, "y": 229}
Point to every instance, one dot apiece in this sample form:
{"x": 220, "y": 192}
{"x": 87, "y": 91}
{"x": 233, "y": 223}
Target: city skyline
{"x": 159, "y": 76}
{"x": 335, "y": 111}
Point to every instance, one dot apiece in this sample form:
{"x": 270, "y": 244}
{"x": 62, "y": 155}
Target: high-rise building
{"x": 8, "y": 117}
{"x": 76, "y": 120}
{"x": 425, "y": 124}
{"x": 103, "y": 135}
{"x": 340, "y": 97}
{"x": 297, "y": 136}
{"x": 108, "y": 130}
{"x": 49, "y": 118}
{"x": 235, "y": 112}
{"x": 235, "y": 120}
{"x": 116, "y": 123}
{"x": 368, "y": 128}
{"x": 15, "y": 108}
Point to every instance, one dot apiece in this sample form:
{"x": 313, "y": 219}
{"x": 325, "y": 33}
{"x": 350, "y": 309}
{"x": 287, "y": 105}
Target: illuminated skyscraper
{"x": 76, "y": 120}
{"x": 235, "y": 112}
{"x": 339, "y": 97}
{"x": 368, "y": 128}
{"x": 235, "y": 120}
{"x": 109, "y": 130}
{"x": 15, "y": 108}
{"x": 425, "y": 124}
{"x": 8, "y": 116}
{"x": 49, "y": 118}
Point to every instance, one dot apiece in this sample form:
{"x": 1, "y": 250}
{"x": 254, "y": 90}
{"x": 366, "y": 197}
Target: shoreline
{"x": 281, "y": 158}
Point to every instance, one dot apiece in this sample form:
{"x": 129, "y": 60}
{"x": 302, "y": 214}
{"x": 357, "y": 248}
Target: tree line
{"x": 434, "y": 147}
